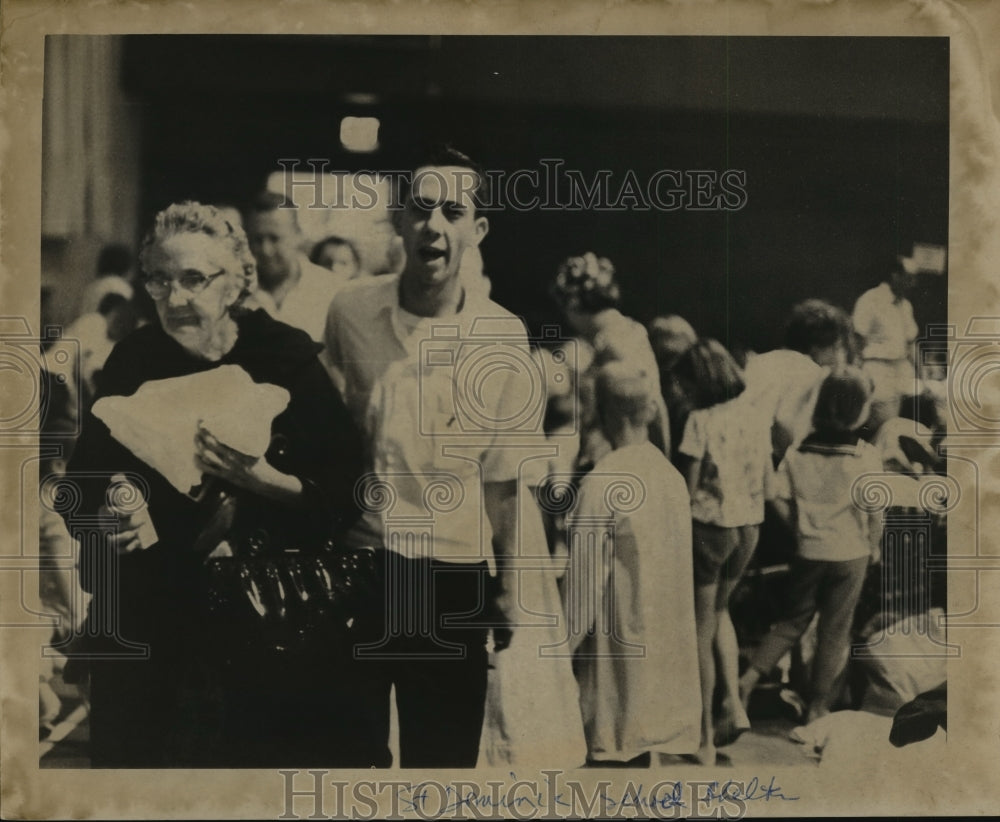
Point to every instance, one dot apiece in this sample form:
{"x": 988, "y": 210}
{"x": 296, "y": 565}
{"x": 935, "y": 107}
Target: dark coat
{"x": 314, "y": 439}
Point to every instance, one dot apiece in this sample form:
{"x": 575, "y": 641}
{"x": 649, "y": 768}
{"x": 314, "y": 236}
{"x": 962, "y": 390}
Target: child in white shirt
{"x": 727, "y": 440}
{"x": 814, "y": 490}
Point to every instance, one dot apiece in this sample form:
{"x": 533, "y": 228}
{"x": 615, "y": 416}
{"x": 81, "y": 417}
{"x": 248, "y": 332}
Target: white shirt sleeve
{"x": 910, "y": 328}
{"x": 863, "y": 315}
{"x": 693, "y": 442}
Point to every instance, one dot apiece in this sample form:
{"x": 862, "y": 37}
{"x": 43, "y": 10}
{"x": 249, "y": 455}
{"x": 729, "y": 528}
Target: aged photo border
{"x": 964, "y": 784}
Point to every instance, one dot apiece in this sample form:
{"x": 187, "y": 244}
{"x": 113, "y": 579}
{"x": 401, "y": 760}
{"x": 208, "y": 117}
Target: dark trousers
{"x": 164, "y": 711}
{"x": 185, "y": 708}
{"x": 433, "y": 650}
{"x": 131, "y": 712}
{"x": 302, "y": 712}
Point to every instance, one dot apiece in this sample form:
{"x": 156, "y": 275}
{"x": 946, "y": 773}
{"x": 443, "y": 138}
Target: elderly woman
{"x": 183, "y": 703}
{"x": 588, "y": 295}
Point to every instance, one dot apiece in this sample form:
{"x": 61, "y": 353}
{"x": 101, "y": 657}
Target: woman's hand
{"x": 131, "y": 530}
{"x": 254, "y": 474}
{"x": 135, "y": 527}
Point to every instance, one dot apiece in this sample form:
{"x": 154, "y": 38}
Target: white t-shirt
{"x": 783, "y": 385}
{"x": 733, "y": 442}
{"x": 820, "y": 479}
{"x": 305, "y": 306}
{"x": 448, "y": 404}
{"x": 886, "y": 323}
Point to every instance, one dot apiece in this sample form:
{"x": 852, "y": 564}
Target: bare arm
{"x": 501, "y": 501}
{"x": 693, "y": 473}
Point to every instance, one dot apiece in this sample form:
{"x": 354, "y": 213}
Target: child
{"x": 728, "y": 443}
{"x": 629, "y": 595}
{"x": 813, "y": 490}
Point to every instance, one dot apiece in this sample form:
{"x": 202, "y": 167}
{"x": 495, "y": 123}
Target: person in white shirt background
{"x": 783, "y": 384}
{"x": 883, "y": 322}
{"x": 291, "y": 288}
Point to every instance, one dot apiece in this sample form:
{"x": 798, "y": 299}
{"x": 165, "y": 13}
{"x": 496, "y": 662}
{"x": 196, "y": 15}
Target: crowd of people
{"x": 404, "y": 446}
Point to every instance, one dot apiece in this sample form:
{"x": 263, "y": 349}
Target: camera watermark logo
{"x": 971, "y": 366}
{"x": 488, "y": 383}
{"x": 913, "y": 510}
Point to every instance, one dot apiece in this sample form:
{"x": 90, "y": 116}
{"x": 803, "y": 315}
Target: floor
{"x": 767, "y": 743}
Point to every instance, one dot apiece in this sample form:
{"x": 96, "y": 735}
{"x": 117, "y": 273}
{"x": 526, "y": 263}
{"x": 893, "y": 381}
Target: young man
{"x": 291, "y": 288}
{"x": 414, "y": 355}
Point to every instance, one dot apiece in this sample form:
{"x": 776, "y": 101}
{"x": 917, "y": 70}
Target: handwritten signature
{"x": 751, "y": 791}
{"x": 664, "y": 796}
{"x": 729, "y": 791}
{"x": 415, "y": 797}
{"x": 640, "y": 799}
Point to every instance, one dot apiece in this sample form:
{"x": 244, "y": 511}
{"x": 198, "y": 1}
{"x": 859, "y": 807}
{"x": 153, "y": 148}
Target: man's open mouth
{"x": 429, "y": 254}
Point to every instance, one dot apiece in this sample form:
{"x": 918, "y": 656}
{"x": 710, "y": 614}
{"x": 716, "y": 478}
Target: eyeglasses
{"x": 159, "y": 285}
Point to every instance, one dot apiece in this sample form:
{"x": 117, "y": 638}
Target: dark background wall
{"x": 844, "y": 142}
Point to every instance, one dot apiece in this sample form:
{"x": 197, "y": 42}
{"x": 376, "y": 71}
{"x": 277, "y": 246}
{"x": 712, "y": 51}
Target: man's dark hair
{"x": 444, "y": 154}
{"x": 114, "y": 259}
{"x": 268, "y": 201}
{"x": 816, "y": 324}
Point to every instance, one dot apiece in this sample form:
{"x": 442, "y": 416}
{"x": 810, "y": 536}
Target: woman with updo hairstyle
{"x": 160, "y": 695}
{"x": 588, "y": 295}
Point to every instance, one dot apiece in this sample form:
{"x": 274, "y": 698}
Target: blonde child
{"x": 629, "y": 591}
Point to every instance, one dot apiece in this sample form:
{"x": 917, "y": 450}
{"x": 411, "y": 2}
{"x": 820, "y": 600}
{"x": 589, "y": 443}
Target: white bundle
{"x": 158, "y": 423}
